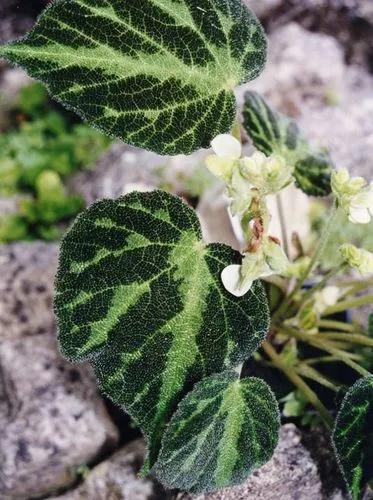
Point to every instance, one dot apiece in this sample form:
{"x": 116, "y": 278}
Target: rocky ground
{"x": 59, "y": 437}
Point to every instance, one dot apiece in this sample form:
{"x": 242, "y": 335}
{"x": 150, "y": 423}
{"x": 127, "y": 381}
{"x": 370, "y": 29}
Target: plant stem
{"x": 316, "y": 341}
{"x": 348, "y": 304}
{"x": 358, "y": 284}
{"x": 316, "y": 255}
{"x": 311, "y": 373}
{"x": 321, "y": 284}
{"x": 321, "y": 359}
{"x": 350, "y": 337}
{"x": 298, "y": 382}
{"x": 343, "y": 356}
{"x": 281, "y": 215}
{"x": 336, "y": 325}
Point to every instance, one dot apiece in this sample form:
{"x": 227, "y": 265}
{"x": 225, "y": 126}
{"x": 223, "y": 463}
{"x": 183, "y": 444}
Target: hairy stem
{"x": 350, "y": 337}
{"x": 349, "y": 304}
{"x": 307, "y": 371}
{"x": 281, "y": 215}
{"x": 322, "y": 360}
{"x": 298, "y": 382}
{"x": 337, "y": 325}
{"x": 325, "y": 345}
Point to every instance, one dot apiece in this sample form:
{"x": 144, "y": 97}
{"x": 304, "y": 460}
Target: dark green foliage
{"x": 140, "y": 295}
{"x": 272, "y": 132}
{"x": 353, "y": 436}
{"x": 158, "y": 74}
{"x": 222, "y": 431}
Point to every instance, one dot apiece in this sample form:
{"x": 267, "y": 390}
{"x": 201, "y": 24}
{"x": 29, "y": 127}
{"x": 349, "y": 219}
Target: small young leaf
{"x": 221, "y": 432}
{"x": 353, "y": 436}
{"x": 140, "y": 295}
{"x": 272, "y": 132}
{"x": 158, "y": 74}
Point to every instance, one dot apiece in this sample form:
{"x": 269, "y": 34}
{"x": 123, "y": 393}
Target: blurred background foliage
{"x": 40, "y": 147}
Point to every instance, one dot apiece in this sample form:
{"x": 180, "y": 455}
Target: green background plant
{"x": 41, "y": 147}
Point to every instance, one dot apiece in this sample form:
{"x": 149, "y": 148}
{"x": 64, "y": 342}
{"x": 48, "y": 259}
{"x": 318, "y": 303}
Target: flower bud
{"x": 308, "y": 318}
{"x": 345, "y": 186}
{"x": 358, "y": 258}
{"x": 269, "y": 175}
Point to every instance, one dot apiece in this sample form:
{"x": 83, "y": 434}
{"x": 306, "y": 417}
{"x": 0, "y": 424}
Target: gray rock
{"x": 119, "y": 167}
{"x": 306, "y": 77}
{"x": 290, "y": 475}
{"x": 301, "y": 67}
{"x": 263, "y": 8}
{"x": 215, "y": 222}
{"x": 123, "y": 169}
{"x": 117, "y": 479}
{"x": 8, "y": 206}
{"x": 14, "y": 23}
{"x": 27, "y": 273}
{"x": 346, "y": 129}
{"x": 348, "y": 21}
{"x": 51, "y": 419}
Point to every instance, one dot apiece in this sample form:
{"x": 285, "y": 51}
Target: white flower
{"x": 227, "y": 146}
{"x": 354, "y": 196}
{"x": 269, "y": 259}
{"x": 227, "y": 151}
{"x": 231, "y": 278}
{"x": 358, "y": 258}
{"x": 325, "y": 298}
{"x": 361, "y": 207}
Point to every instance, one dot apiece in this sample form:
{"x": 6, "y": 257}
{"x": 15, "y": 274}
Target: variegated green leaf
{"x": 140, "y": 295}
{"x": 353, "y": 436}
{"x": 158, "y": 74}
{"x": 221, "y": 432}
{"x": 272, "y": 132}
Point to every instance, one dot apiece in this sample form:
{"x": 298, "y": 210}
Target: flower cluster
{"x": 248, "y": 177}
{"x": 354, "y": 195}
{"x": 358, "y": 258}
{"x": 249, "y": 180}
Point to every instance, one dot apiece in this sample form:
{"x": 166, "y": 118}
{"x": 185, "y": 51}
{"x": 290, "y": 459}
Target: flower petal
{"x": 227, "y": 146}
{"x": 359, "y": 215}
{"x": 231, "y": 277}
{"x": 220, "y": 167}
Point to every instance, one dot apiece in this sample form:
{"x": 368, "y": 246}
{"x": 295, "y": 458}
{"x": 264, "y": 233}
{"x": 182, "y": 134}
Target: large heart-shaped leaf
{"x": 272, "y": 132}
{"x": 353, "y": 436}
{"x": 140, "y": 295}
{"x": 221, "y": 432}
{"x": 158, "y": 74}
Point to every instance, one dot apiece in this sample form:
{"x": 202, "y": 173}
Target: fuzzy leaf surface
{"x": 139, "y": 294}
{"x": 353, "y": 436}
{"x": 272, "y": 132}
{"x": 158, "y": 74}
{"x": 221, "y": 432}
